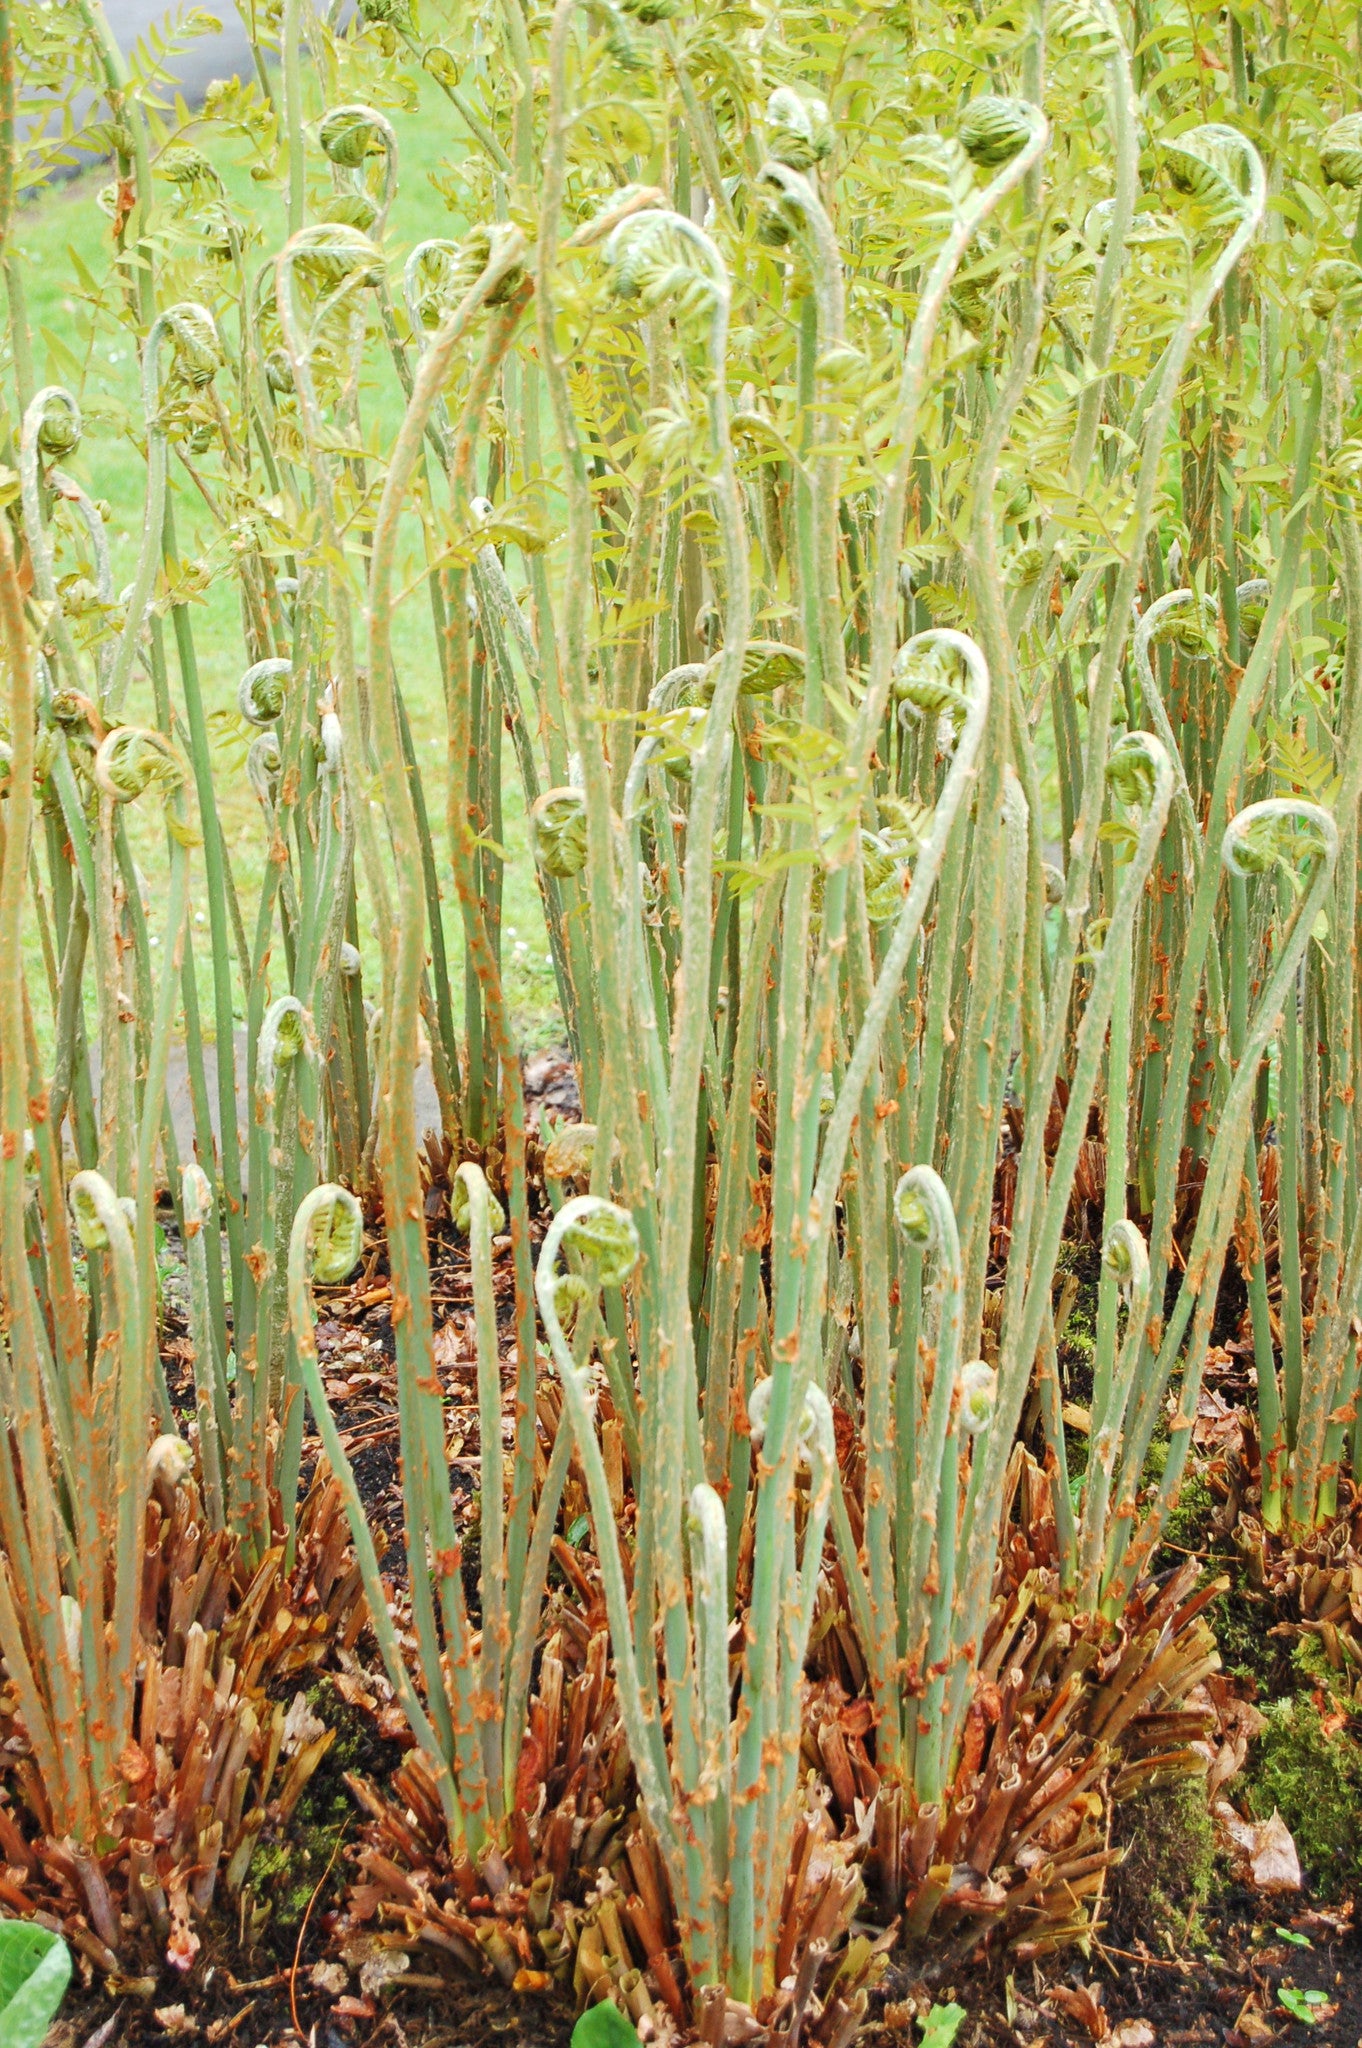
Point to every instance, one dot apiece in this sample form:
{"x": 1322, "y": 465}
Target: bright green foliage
{"x": 941, "y": 2026}
{"x": 35, "y": 1969}
{"x": 604, "y": 2026}
{"x": 1302, "y": 2005}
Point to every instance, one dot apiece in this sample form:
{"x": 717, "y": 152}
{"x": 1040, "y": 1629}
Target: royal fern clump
{"x": 848, "y": 520}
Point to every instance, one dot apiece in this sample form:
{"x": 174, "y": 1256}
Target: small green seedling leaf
{"x": 1290, "y": 1934}
{"x": 35, "y": 1969}
{"x": 604, "y": 2026}
{"x": 1302, "y": 2005}
{"x": 941, "y": 2025}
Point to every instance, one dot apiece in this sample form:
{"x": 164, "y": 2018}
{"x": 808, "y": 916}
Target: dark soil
{"x": 1227, "y": 1993}
{"x": 251, "y": 2010}
{"x": 1230, "y": 1991}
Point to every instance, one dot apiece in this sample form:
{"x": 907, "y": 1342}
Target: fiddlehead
{"x": 133, "y": 759}
{"x": 558, "y": 832}
{"x": 1340, "y": 153}
{"x": 350, "y": 137}
{"x": 285, "y": 1035}
{"x": 605, "y": 1238}
{"x": 262, "y": 691}
{"x": 994, "y": 129}
{"x": 799, "y": 130}
{"x": 211, "y": 1402}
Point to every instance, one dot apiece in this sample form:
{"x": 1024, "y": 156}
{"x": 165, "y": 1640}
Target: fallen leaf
{"x": 329, "y": 1977}
{"x": 223, "y": 2029}
{"x": 360, "y": 1947}
{"x": 1083, "y": 2004}
{"x": 449, "y": 1349}
{"x": 172, "y": 2019}
{"x": 1274, "y": 1865}
{"x": 1133, "y": 2034}
{"x": 382, "y": 1969}
{"x": 1253, "y": 2028}
{"x": 1261, "y": 1851}
{"x": 353, "y": 1690}
{"x": 301, "y": 1725}
{"x": 1325, "y": 1919}
{"x": 1330, "y": 1722}
{"x": 1218, "y": 1422}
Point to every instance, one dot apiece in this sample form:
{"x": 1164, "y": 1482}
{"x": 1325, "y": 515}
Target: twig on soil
{"x": 302, "y": 1931}
{"x": 1132, "y": 1956}
{"x": 222, "y": 2030}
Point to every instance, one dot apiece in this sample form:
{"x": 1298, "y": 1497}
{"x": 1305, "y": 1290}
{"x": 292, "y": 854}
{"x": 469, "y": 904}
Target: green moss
{"x": 1080, "y": 1332}
{"x": 1188, "y": 1526}
{"x": 287, "y": 1868}
{"x": 1243, "y": 1620}
{"x": 284, "y": 1875}
{"x": 1167, "y": 1871}
{"x": 1156, "y": 1458}
{"x": 1242, "y": 1617}
{"x": 1310, "y": 1661}
{"x": 1314, "y": 1781}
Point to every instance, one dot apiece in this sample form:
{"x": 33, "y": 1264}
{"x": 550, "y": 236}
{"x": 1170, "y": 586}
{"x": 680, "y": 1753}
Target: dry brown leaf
{"x": 1252, "y": 2025}
{"x": 353, "y": 1690}
{"x": 133, "y": 1766}
{"x": 1261, "y": 1851}
{"x": 301, "y": 1725}
{"x": 1082, "y": 2004}
{"x": 449, "y": 1345}
{"x": 382, "y": 1967}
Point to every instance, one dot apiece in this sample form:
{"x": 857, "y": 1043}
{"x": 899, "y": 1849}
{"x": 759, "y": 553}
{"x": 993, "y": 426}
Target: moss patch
{"x": 1243, "y": 1617}
{"x": 1314, "y": 1781}
{"x": 1189, "y": 1519}
{"x": 1167, "y": 1872}
{"x": 289, "y": 1866}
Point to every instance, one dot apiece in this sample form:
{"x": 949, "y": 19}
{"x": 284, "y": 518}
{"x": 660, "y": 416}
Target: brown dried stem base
{"x": 1069, "y": 1714}
{"x": 574, "y": 1896}
{"x": 1315, "y": 1581}
{"x": 215, "y": 1758}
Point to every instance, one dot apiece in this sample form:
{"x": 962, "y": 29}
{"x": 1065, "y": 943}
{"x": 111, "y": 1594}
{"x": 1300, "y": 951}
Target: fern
{"x": 1300, "y": 771}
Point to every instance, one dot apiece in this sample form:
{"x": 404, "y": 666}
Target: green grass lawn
{"x": 64, "y": 243}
